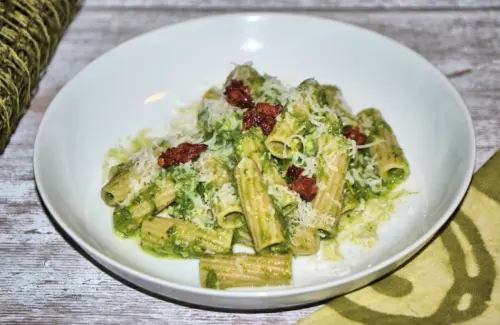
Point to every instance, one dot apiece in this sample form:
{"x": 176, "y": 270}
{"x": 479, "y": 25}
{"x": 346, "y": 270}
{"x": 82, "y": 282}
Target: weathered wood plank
{"x": 296, "y": 4}
{"x": 44, "y": 280}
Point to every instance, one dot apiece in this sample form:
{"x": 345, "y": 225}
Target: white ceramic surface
{"x": 140, "y": 84}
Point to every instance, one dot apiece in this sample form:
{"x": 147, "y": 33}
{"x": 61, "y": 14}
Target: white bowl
{"x": 140, "y": 83}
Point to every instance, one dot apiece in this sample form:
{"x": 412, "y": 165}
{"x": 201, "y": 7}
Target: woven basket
{"x": 30, "y": 31}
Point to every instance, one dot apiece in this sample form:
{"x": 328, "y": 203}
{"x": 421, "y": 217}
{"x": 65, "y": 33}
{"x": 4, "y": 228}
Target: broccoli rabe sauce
{"x": 330, "y": 250}
{"x": 127, "y": 220}
{"x": 211, "y": 280}
{"x": 396, "y": 176}
{"x": 190, "y": 203}
{"x": 124, "y": 225}
{"x": 223, "y": 128}
{"x": 360, "y": 225}
{"x": 271, "y": 92}
{"x": 363, "y": 181}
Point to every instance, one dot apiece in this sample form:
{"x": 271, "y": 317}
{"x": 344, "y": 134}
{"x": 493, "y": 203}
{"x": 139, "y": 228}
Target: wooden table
{"x": 44, "y": 278}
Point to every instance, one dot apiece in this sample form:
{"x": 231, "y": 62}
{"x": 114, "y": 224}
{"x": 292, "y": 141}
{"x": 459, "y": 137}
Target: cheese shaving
{"x": 368, "y": 145}
{"x": 145, "y": 165}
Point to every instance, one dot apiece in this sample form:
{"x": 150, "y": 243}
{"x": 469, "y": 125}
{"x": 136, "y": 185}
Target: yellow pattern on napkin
{"x": 451, "y": 281}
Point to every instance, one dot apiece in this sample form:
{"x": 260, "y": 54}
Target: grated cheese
{"x": 203, "y": 165}
{"x": 218, "y": 109}
{"x": 365, "y": 174}
{"x": 201, "y": 215}
{"x": 273, "y": 88}
{"x": 308, "y": 163}
{"x": 306, "y": 215}
{"x": 226, "y": 195}
{"x": 374, "y": 143}
{"x": 144, "y": 164}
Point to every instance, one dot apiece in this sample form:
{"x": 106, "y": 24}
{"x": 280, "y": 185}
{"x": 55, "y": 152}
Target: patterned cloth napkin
{"x": 30, "y": 31}
{"x": 451, "y": 281}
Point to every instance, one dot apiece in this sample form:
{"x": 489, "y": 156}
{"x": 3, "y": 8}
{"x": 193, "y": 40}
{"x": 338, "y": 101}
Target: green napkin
{"x": 451, "y": 281}
{"x": 30, "y": 31}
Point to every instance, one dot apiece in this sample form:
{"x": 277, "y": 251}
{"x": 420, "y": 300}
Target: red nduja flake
{"x": 355, "y": 134}
{"x": 293, "y": 172}
{"x": 306, "y": 187}
{"x": 263, "y": 115}
{"x": 183, "y": 153}
{"x": 239, "y": 95}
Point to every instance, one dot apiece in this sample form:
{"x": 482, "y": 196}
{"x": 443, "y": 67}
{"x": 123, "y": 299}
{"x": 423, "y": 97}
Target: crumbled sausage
{"x": 239, "y": 95}
{"x": 267, "y": 123}
{"x": 183, "y": 153}
{"x": 263, "y": 115}
{"x": 306, "y": 187}
{"x": 355, "y": 134}
{"x": 250, "y": 118}
{"x": 293, "y": 172}
{"x": 269, "y": 109}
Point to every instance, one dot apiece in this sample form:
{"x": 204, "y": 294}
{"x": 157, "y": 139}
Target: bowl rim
{"x": 408, "y": 252}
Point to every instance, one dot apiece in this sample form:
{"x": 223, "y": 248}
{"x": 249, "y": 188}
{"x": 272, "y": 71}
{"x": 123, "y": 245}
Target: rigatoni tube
{"x": 251, "y": 145}
{"x": 303, "y": 239}
{"x": 213, "y": 170}
{"x": 334, "y": 100}
{"x": 168, "y": 236}
{"x": 387, "y": 154}
{"x": 152, "y": 199}
{"x": 283, "y": 141}
{"x": 226, "y": 206}
{"x": 229, "y": 271}
{"x": 118, "y": 187}
{"x": 260, "y": 215}
{"x": 332, "y": 167}
{"x": 250, "y": 77}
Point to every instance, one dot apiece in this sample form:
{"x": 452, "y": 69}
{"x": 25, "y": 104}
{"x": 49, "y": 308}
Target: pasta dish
{"x": 279, "y": 170}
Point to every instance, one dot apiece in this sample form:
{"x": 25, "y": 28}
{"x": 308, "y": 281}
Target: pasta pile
{"x": 275, "y": 169}
{"x": 29, "y": 33}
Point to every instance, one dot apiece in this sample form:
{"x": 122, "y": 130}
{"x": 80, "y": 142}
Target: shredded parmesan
{"x": 218, "y": 109}
{"x": 203, "y": 165}
{"x": 308, "y": 163}
{"x": 273, "y": 88}
{"x": 306, "y": 215}
{"x": 144, "y": 164}
{"x": 374, "y": 143}
{"x": 226, "y": 195}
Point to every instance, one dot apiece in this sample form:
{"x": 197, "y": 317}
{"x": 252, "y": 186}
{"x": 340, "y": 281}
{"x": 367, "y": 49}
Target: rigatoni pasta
{"x": 260, "y": 167}
{"x": 385, "y": 150}
{"x": 332, "y": 167}
{"x": 230, "y": 271}
{"x": 168, "y": 236}
{"x": 261, "y": 216}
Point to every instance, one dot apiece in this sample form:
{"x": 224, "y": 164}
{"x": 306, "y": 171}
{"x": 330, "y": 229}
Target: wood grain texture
{"x": 43, "y": 279}
{"x": 289, "y": 5}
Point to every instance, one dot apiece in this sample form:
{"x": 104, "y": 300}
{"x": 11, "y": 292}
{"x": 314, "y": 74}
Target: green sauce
{"x": 396, "y": 176}
{"x": 211, "y": 279}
